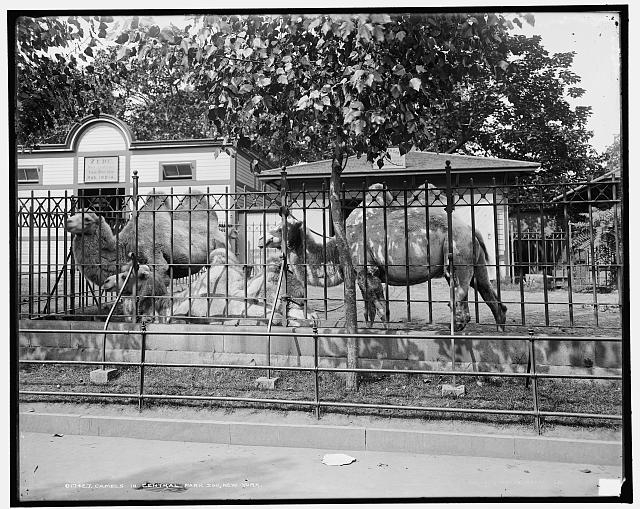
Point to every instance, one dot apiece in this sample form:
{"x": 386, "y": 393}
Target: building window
{"x": 29, "y": 175}
{"x": 177, "y": 171}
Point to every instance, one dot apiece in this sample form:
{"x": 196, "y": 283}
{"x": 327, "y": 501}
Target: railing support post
{"x": 134, "y": 297}
{"x": 143, "y": 347}
{"x": 315, "y": 369}
{"x": 534, "y": 379}
{"x": 452, "y": 278}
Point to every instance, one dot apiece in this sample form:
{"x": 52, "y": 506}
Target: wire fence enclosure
{"x": 552, "y": 256}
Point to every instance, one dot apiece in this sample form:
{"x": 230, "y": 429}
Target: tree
{"x": 522, "y": 112}
{"x": 52, "y": 82}
{"x": 338, "y": 84}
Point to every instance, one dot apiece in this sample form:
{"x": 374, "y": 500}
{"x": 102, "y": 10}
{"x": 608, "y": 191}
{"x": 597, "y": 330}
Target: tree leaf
{"x": 415, "y": 83}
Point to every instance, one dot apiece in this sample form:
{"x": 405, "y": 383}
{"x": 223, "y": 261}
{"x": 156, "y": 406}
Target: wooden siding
{"x": 102, "y": 138}
{"x": 244, "y": 175}
{"x": 54, "y": 170}
{"x": 207, "y": 166}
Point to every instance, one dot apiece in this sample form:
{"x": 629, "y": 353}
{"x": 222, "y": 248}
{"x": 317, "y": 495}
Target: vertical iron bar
{"x": 134, "y": 292}
{"x": 143, "y": 347}
{"x": 406, "y": 250}
{"x": 171, "y": 260}
{"x": 567, "y": 236}
{"x": 452, "y": 280}
{"x": 475, "y": 254}
{"x": 324, "y": 249}
{"x": 285, "y": 245}
{"x": 20, "y": 255}
{"x": 428, "y": 228}
{"x": 519, "y": 250}
{"x": 386, "y": 248}
{"x": 263, "y": 254}
{"x": 39, "y": 270}
{"x": 544, "y": 257}
{"x": 50, "y": 217}
{"x": 594, "y": 274}
{"x": 617, "y": 255}
{"x": 315, "y": 370}
{"x": 304, "y": 247}
{"x": 207, "y": 257}
{"x": 364, "y": 253}
{"x": 245, "y": 250}
{"x": 31, "y": 232}
{"x": 534, "y": 380}
{"x": 67, "y": 249}
{"x": 496, "y": 235}
{"x": 226, "y": 251}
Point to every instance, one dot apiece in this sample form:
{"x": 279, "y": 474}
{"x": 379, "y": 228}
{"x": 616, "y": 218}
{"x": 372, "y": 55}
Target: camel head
{"x": 83, "y": 221}
{"x": 273, "y": 238}
{"x": 461, "y": 315}
{"x": 115, "y": 282}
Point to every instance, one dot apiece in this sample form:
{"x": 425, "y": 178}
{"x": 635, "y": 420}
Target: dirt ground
{"x": 532, "y": 313}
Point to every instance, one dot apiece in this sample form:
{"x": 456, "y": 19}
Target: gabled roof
{"x": 416, "y": 163}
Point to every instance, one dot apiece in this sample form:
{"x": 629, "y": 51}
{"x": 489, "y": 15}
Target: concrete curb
{"x": 597, "y": 452}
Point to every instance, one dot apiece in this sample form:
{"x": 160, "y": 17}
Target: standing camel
{"x": 397, "y": 267}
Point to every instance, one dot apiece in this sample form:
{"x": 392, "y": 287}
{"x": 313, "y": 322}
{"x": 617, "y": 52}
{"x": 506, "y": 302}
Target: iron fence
{"x": 211, "y": 251}
{"x": 317, "y": 401}
{"x": 548, "y": 260}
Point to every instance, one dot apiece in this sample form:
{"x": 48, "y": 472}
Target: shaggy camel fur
{"x": 322, "y": 266}
{"x": 398, "y": 268}
{"x": 180, "y": 238}
{"x": 150, "y": 289}
{"x": 207, "y": 296}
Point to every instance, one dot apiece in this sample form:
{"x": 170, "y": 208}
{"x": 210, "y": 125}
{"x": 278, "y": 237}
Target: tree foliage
{"x": 52, "y": 83}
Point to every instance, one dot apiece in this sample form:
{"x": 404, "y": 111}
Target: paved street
{"x": 74, "y": 467}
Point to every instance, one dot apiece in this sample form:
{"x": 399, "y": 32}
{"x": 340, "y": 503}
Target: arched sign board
{"x": 101, "y": 169}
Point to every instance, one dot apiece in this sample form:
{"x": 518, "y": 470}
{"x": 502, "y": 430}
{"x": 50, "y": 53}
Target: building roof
{"x": 76, "y": 131}
{"x": 601, "y": 182}
{"x": 417, "y": 163}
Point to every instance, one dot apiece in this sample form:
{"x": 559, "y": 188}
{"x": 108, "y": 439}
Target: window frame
{"x": 37, "y": 167}
{"x": 163, "y": 178}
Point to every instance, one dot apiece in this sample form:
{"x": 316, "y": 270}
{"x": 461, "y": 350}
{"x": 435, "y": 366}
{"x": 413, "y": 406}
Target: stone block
{"x": 453, "y": 390}
{"x": 102, "y": 376}
{"x": 266, "y": 383}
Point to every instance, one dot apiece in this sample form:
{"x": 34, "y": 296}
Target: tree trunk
{"x": 351, "y": 320}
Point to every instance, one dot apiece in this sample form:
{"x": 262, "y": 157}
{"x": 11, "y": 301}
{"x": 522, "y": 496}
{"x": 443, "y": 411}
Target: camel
{"x": 378, "y": 201}
{"x": 179, "y": 239}
{"x": 322, "y": 265}
{"x": 207, "y": 296}
{"x": 391, "y": 267}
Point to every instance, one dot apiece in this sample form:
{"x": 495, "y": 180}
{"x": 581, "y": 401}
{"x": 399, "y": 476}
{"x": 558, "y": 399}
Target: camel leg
{"x": 482, "y": 283}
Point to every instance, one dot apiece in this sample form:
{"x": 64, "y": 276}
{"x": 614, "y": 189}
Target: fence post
{"x": 452, "y": 285}
{"x": 134, "y": 296}
{"x": 534, "y": 379}
{"x": 315, "y": 368}
{"x": 284, "y": 214}
{"x": 143, "y": 347}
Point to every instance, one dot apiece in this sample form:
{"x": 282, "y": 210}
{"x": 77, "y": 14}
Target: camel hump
{"x": 156, "y": 201}
{"x": 196, "y": 200}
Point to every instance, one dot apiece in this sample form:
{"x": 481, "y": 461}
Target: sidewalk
{"x": 77, "y": 467}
